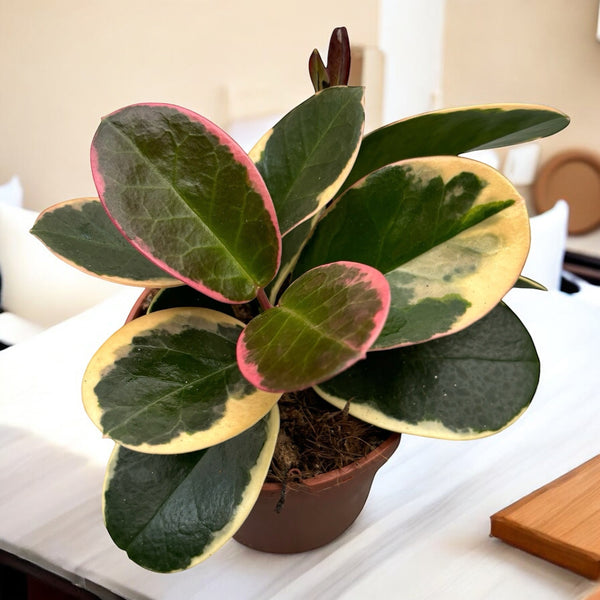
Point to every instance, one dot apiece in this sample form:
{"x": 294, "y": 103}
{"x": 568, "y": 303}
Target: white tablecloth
{"x": 424, "y": 533}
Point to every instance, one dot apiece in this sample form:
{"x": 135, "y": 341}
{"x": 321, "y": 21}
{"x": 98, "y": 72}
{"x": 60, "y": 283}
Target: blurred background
{"x": 66, "y": 63}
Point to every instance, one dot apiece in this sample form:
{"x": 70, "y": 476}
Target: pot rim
{"x": 136, "y": 309}
{"x": 374, "y": 459}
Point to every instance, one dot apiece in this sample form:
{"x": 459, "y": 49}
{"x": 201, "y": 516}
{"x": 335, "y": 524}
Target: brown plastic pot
{"x": 141, "y": 304}
{"x": 315, "y": 511}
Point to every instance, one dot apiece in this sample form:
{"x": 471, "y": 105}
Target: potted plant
{"x": 368, "y": 269}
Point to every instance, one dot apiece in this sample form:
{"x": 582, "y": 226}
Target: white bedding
{"x": 15, "y": 329}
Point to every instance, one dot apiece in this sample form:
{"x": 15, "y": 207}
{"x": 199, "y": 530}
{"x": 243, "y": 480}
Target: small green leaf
{"x": 168, "y": 382}
{"x": 80, "y": 233}
{"x": 307, "y": 155}
{"x": 317, "y": 70}
{"x": 467, "y": 385}
{"x": 188, "y": 197}
{"x": 451, "y": 235}
{"x": 529, "y": 284}
{"x": 326, "y": 321}
{"x": 453, "y": 132}
{"x": 171, "y": 512}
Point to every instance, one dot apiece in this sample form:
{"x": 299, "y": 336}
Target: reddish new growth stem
{"x": 263, "y": 300}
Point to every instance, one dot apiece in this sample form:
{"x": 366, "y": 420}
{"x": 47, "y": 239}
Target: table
{"x": 423, "y": 534}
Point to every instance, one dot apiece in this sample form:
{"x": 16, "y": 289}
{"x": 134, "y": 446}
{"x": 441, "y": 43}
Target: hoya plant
{"x": 368, "y": 268}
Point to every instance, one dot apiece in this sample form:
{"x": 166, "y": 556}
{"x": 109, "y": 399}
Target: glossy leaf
{"x": 80, "y": 233}
{"x": 307, "y": 155}
{"x": 451, "y": 235}
{"x": 188, "y": 198}
{"x": 325, "y": 321}
{"x": 463, "y": 386}
{"x": 319, "y": 76}
{"x": 453, "y": 132}
{"x": 171, "y": 512}
{"x": 168, "y": 382}
{"x": 530, "y": 284}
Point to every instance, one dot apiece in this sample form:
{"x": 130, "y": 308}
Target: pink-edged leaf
{"x": 187, "y": 197}
{"x": 325, "y": 322}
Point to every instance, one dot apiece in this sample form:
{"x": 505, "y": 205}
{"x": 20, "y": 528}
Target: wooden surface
{"x": 559, "y": 522}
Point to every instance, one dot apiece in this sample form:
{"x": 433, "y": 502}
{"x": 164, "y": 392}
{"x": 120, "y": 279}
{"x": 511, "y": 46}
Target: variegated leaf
{"x": 80, "y": 233}
{"x": 189, "y": 198}
{"x": 453, "y": 132}
{"x": 307, "y": 155}
{"x": 168, "y": 382}
{"x": 467, "y": 385}
{"x": 171, "y": 512}
{"x": 325, "y": 321}
{"x": 451, "y": 235}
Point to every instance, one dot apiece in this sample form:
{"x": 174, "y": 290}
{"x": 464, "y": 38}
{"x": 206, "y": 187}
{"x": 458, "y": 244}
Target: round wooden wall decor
{"x": 572, "y": 175}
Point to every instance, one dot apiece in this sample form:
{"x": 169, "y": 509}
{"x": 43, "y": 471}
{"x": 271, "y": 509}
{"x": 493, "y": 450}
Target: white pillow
{"x": 490, "y": 157}
{"x": 548, "y": 241}
{"x": 15, "y": 329}
{"x": 11, "y": 192}
{"x": 36, "y": 285}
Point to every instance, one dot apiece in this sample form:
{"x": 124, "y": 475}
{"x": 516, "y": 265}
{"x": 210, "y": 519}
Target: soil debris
{"x": 315, "y": 437}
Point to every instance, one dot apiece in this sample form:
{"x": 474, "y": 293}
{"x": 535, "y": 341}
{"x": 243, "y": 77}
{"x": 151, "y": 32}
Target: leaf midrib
{"x": 177, "y": 487}
{"x": 179, "y": 389}
{"x": 315, "y": 327}
{"x": 171, "y": 186}
{"x": 134, "y": 538}
{"x": 293, "y": 183}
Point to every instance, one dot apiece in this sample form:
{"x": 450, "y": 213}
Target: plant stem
{"x": 263, "y": 300}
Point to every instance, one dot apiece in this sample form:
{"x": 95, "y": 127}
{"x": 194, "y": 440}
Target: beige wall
{"x": 65, "y": 63}
{"x": 539, "y": 51}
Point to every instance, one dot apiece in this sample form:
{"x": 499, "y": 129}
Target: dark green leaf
{"x": 80, "y": 233}
{"x": 454, "y": 132}
{"x": 168, "y": 382}
{"x": 171, "y": 512}
{"x": 451, "y": 235}
{"x": 467, "y": 385}
{"x": 307, "y": 155}
{"x": 530, "y": 284}
{"x": 188, "y": 198}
